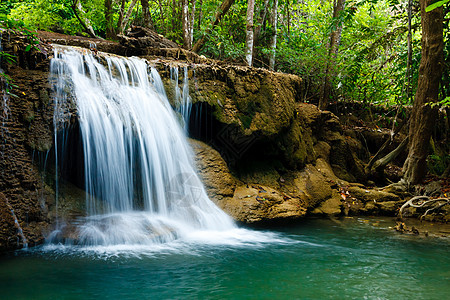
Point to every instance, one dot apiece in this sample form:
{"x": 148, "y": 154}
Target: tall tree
{"x": 110, "y": 33}
{"x": 123, "y": 25}
{"x": 333, "y": 46}
{"x": 223, "y": 9}
{"x": 146, "y": 14}
{"x": 424, "y": 115}
{"x": 249, "y": 32}
{"x": 185, "y": 23}
{"x": 273, "y": 42}
{"x": 191, "y": 23}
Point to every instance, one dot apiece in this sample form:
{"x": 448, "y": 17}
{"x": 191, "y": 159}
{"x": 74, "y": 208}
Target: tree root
{"x": 424, "y": 201}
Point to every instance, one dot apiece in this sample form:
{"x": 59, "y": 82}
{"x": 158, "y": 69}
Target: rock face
{"x": 25, "y": 132}
{"x": 267, "y": 157}
{"x": 245, "y": 203}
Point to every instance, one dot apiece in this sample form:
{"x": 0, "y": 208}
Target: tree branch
{"x": 78, "y": 10}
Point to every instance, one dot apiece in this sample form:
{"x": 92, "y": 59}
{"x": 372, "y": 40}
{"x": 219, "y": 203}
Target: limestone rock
{"x": 213, "y": 172}
{"x": 331, "y": 207}
{"x": 253, "y": 203}
{"x": 366, "y": 195}
{"x": 8, "y": 232}
{"x": 311, "y": 182}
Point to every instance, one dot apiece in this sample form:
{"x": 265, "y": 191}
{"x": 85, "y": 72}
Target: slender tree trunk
{"x": 335, "y": 39}
{"x": 126, "y": 19}
{"x": 191, "y": 23}
{"x": 424, "y": 115}
{"x": 110, "y": 33}
{"x": 223, "y": 9}
{"x": 146, "y": 14}
{"x": 121, "y": 13}
{"x": 249, "y": 31}
{"x": 288, "y": 14}
{"x": 77, "y": 9}
{"x": 273, "y": 44}
{"x": 185, "y": 23}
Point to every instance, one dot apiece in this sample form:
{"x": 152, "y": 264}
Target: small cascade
{"x": 19, "y": 229}
{"x": 140, "y": 181}
{"x": 183, "y": 102}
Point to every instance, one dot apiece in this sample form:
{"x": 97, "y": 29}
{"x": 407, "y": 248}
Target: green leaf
{"x": 28, "y": 48}
{"x": 435, "y": 5}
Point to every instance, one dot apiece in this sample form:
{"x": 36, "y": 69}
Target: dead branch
{"x": 388, "y": 142}
{"x": 382, "y": 162}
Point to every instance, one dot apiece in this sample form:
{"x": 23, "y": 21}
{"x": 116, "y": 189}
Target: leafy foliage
{"x": 371, "y": 61}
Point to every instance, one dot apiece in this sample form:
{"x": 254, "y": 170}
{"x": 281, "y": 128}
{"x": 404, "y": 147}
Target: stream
{"x": 355, "y": 258}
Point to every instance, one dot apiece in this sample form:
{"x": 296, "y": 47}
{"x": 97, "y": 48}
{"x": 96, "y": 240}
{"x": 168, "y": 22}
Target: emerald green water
{"x": 318, "y": 259}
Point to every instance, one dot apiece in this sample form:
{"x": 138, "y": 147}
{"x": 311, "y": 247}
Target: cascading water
{"x": 182, "y": 99}
{"x": 139, "y": 177}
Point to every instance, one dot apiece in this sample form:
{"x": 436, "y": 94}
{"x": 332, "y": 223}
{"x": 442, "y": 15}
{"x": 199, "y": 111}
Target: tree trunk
{"x": 110, "y": 33}
{"x": 424, "y": 115}
{"x": 223, "y": 9}
{"x": 191, "y": 24}
{"x": 185, "y": 23}
{"x": 126, "y": 19}
{"x": 288, "y": 14}
{"x": 335, "y": 39}
{"x": 146, "y": 14}
{"x": 121, "y": 13}
{"x": 273, "y": 43}
{"x": 249, "y": 31}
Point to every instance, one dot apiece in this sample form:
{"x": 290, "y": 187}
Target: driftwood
{"x": 424, "y": 201}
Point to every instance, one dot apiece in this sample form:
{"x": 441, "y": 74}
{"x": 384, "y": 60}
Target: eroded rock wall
{"x": 267, "y": 157}
{"x": 25, "y": 131}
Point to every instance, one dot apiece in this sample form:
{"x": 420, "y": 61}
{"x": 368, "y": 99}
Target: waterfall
{"x": 140, "y": 180}
{"x": 182, "y": 99}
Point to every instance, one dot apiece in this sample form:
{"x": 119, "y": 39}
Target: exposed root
{"x": 424, "y": 201}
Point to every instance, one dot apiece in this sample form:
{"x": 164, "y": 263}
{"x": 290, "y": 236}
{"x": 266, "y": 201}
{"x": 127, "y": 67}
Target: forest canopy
{"x": 374, "y": 56}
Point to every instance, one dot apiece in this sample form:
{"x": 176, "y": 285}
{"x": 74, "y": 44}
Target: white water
{"x": 182, "y": 98}
{"x": 141, "y": 184}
